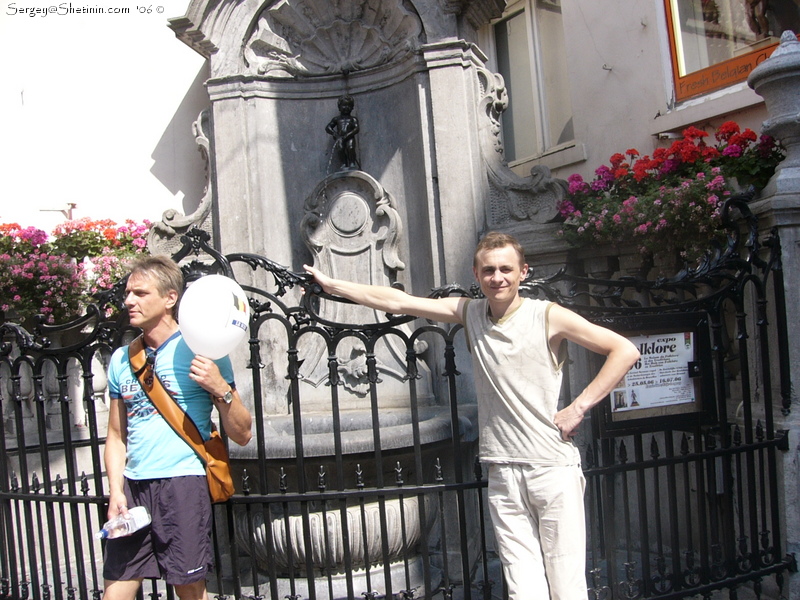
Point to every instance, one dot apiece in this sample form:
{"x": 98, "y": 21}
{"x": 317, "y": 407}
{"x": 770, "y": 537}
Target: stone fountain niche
{"x": 404, "y": 202}
{"x": 289, "y": 187}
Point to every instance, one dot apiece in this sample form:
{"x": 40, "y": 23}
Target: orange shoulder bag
{"x": 212, "y": 453}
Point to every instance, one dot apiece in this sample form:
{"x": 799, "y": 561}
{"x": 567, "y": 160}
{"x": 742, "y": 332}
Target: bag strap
{"x": 173, "y": 414}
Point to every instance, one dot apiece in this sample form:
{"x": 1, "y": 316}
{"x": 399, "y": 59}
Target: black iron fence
{"x": 362, "y": 479}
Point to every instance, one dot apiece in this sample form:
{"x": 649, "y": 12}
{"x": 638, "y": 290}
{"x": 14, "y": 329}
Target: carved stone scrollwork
{"x": 352, "y": 228}
{"x": 318, "y": 37}
{"x": 494, "y": 100}
{"x": 511, "y": 197}
{"x": 533, "y": 198}
{"x": 164, "y": 236}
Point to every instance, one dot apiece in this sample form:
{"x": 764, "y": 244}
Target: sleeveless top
{"x": 518, "y": 381}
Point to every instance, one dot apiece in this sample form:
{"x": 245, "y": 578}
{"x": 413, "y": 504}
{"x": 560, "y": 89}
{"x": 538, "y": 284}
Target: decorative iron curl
{"x": 313, "y": 291}
{"x": 453, "y": 289}
{"x": 283, "y": 277}
{"x": 24, "y": 340}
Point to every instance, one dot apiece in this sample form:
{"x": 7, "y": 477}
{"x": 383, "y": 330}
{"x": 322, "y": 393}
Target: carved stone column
{"x": 777, "y": 79}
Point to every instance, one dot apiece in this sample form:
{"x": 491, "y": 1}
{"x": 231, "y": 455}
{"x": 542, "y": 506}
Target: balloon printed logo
{"x": 213, "y": 316}
{"x": 240, "y": 305}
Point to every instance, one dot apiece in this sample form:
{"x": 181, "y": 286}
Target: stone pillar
{"x": 460, "y": 175}
{"x": 778, "y": 80}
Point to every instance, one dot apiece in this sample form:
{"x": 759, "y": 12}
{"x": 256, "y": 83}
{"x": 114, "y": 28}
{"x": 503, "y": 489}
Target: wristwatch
{"x": 227, "y": 397}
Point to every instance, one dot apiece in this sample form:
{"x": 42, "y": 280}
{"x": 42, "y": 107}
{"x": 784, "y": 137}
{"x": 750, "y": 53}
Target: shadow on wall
{"x": 178, "y": 164}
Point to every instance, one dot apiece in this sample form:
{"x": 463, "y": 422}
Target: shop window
{"x": 529, "y": 52}
{"x": 717, "y": 43}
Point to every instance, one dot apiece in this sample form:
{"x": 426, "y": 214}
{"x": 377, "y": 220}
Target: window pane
{"x": 708, "y": 32}
{"x": 514, "y": 64}
{"x": 553, "y": 77}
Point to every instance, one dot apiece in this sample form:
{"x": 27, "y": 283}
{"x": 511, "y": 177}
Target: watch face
{"x": 228, "y": 397}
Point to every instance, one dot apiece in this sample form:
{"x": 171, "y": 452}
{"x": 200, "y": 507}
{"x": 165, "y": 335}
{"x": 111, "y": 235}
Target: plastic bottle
{"x": 123, "y": 525}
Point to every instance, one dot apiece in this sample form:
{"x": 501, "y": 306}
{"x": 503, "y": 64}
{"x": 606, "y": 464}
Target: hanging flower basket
{"x": 671, "y": 202}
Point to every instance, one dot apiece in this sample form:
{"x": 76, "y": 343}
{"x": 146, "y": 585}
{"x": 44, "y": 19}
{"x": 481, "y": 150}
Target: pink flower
{"x": 732, "y": 150}
{"x": 576, "y": 183}
{"x": 566, "y": 208}
{"x": 36, "y": 237}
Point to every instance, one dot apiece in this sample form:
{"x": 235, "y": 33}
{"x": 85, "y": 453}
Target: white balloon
{"x": 214, "y": 316}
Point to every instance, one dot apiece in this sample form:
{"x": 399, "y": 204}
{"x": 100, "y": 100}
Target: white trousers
{"x": 539, "y": 523}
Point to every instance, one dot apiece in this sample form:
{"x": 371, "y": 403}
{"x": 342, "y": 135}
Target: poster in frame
{"x": 672, "y": 384}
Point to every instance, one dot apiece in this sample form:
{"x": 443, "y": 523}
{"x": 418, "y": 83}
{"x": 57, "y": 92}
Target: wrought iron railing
{"x": 343, "y": 496}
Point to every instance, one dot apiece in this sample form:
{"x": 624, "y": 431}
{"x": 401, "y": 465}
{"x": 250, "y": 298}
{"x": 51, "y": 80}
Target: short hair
{"x": 496, "y": 239}
{"x": 164, "y": 271}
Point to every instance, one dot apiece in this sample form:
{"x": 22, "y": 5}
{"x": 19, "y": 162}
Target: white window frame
{"x": 554, "y": 156}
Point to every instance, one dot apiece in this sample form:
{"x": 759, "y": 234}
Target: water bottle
{"x": 123, "y": 525}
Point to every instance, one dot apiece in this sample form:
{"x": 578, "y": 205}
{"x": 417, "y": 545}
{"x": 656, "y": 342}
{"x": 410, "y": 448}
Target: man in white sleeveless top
{"x": 535, "y": 480}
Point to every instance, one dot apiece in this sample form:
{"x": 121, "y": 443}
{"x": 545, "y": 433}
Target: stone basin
{"x": 357, "y": 432}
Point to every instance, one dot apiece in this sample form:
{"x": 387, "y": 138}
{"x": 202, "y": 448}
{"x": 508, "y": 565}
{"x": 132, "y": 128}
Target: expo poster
{"x": 661, "y": 376}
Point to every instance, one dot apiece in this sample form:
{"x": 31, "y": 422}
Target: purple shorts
{"x": 176, "y": 546}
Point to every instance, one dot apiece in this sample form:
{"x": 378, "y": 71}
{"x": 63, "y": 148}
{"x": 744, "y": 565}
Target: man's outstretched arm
{"x": 391, "y": 300}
